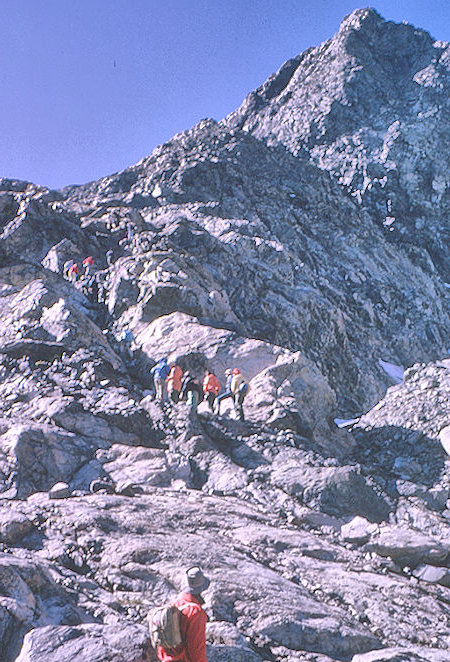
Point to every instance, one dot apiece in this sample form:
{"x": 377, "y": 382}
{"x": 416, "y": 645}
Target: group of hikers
{"x": 71, "y": 270}
{"x": 170, "y": 382}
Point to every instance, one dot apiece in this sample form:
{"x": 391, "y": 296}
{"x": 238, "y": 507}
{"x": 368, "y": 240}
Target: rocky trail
{"x": 262, "y": 241}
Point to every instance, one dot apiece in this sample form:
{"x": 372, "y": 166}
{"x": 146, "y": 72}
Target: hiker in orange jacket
{"x": 211, "y": 388}
{"x": 174, "y": 383}
{"x": 193, "y": 621}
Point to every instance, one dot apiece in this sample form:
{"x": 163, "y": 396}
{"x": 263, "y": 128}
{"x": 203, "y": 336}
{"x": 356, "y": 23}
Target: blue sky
{"x": 89, "y": 87}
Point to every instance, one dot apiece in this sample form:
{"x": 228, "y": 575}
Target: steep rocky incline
{"x": 249, "y": 238}
{"x": 255, "y": 242}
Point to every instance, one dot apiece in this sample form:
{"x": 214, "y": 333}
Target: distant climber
{"x": 211, "y": 388}
{"x": 227, "y": 393}
{"x": 191, "y": 391}
{"x": 174, "y": 383}
{"x": 239, "y": 389}
{"x": 109, "y": 257}
{"x": 160, "y": 372}
{"x": 73, "y": 273}
{"x": 127, "y": 342}
{"x": 66, "y": 267}
{"x": 191, "y": 618}
{"x": 88, "y": 262}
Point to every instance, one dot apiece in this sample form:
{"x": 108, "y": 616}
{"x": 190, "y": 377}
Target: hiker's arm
{"x": 196, "y": 637}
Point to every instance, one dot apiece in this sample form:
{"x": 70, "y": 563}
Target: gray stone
{"x": 339, "y": 491}
{"x": 358, "y": 530}
{"x": 97, "y": 643}
{"x": 59, "y": 491}
{"x": 102, "y": 485}
{"x": 408, "y": 546}
{"x": 433, "y": 574}
{"x": 14, "y": 527}
{"x": 407, "y": 468}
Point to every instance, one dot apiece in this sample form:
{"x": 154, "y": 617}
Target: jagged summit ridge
{"x": 370, "y": 106}
{"x": 364, "y": 42}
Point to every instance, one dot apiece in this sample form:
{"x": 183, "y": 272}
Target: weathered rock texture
{"x": 301, "y": 239}
{"x": 370, "y": 106}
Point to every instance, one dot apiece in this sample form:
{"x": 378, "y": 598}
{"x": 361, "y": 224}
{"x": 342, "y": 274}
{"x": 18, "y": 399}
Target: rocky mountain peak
{"x": 399, "y": 51}
{"x": 370, "y": 106}
{"x": 368, "y": 21}
{"x": 363, "y": 18}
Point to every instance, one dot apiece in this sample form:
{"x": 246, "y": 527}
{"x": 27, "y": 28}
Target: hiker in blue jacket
{"x": 227, "y": 393}
{"x": 160, "y": 372}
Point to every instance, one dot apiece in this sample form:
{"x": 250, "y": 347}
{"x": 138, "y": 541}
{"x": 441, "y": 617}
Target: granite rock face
{"x": 302, "y": 239}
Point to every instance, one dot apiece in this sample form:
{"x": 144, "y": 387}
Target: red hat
{"x": 236, "y": 371}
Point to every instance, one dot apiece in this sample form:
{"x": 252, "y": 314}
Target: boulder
{"x": 97, "y": 643}
{"x": 358, "y": 530}
{"x": 337, "y": 491}
{"x": 59, "y": 491}
{"x": 13, "y": 527}
{"x": 433, "y": 574}
{"x": 40, "y": 455}
{"x": 60, "y": 253}
{"x": 408, "y": 546}
{"x": 283, "y": 385}
{"x": 322, "y": 635}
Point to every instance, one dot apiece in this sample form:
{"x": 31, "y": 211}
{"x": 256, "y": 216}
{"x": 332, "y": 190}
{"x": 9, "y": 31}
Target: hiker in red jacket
{"x": 88, "y": 262}
{"x": 211, "y": 388}
{"x": 193, "y": 621}
{"x": 73, "y": 272}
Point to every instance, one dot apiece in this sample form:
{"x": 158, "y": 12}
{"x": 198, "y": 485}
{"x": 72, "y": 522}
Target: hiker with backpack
{"x": 160, "y": 372}
{"x": 191, "y": 391}
{"x": 66, "y": 268}
{"x": 211, "y": 388}
{"x": 239, "y": 389}
{"x": 174, "y": 383}
{"x": 127, "y": 343}
{"x": 88, "y": 263}
{"x": 73, "y": 272}
{"x": 227, "y": 393}
{"x": 178, "y": 631}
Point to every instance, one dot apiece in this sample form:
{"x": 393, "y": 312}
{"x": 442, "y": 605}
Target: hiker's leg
{"x": 223, "y": 396}
{"x": 158, "y": 389}
{"x": 241, "y": 406}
